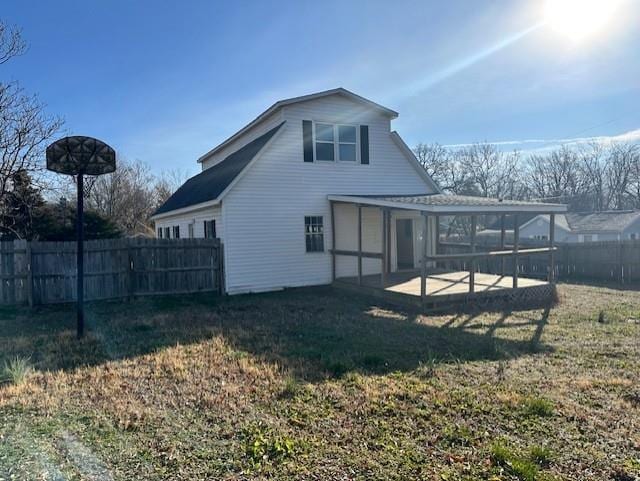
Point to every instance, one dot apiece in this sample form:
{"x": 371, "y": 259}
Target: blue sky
{"x": 165, "y": 81}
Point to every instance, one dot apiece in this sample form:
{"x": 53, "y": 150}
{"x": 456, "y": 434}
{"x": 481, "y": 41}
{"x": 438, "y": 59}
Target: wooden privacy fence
{"x": 609, "y": 261}
{"x": 45, "y": 272}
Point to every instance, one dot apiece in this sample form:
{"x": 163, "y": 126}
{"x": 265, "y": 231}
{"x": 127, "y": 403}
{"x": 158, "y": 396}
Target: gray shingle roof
{"x": 448, "y": 200}
{"x": 210, "y": 183}
{"x": 458, "y": 200}
{"x": 601, "y": 221}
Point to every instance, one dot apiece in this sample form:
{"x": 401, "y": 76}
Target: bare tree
{"x": 444, "y": 168}
{"x": 11, "y": 43}
{"x": 167, "y": 183}
{"x": 622, "y": 158}
{"x": 494, "y": 173}
{"x": 126, "y": 196}
{"x": 555, "y": 177}
{"x": 25, "y": 128}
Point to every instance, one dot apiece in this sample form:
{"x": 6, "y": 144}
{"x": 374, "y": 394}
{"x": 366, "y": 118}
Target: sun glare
{"x": 579, "y": 19}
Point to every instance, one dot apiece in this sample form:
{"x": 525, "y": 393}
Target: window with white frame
{"x": 190, "y": 230}
{"x": 176, "y": 232}
{"x": 314, "y": 233}
{"x": 335, "y": 141}
{"x": 159, "y": 232}
{"x": 167, "y": 233}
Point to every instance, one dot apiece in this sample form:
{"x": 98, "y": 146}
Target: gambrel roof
{"x": 209, "y": 184}
{"x": 293, "y": 100}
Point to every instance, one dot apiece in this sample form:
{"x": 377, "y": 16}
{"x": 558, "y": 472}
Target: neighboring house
{"x": 574, "y": 227}
{"x": 279, "y": 190}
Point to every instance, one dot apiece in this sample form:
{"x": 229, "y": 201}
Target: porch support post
{"x": 383, "y": 271}
{"x": 388, "y": 241}
{"x": 552, "y": 254}
{"x": 472, "y": 263}
{"x": 333, "y": 241}
{"x": 516, "y": 241}
{"x": 359, "y": 244}
{"x": 423, "y": 272}
{"x": 502, "y": 244}
{"x": 436, "y": 246}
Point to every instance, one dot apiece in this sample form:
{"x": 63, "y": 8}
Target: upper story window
{"x": 190, "y": 230}
{"x": 159, "y": 232}
{"x": 347, "y": 141}
{"x": 167, "y": 233}
{"x": 333, "y": 141}
{"x": 176, "y": 232}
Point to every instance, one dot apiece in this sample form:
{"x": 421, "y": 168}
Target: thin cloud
{"x": 546, "y": 144}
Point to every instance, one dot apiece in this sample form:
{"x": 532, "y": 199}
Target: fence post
{"x": 222, "y": 289}
{"x": 620, "y": 263}
{"x": 130, "y": 268}
{"x": 214, "y": 274}
{"x": 29, "y": 265}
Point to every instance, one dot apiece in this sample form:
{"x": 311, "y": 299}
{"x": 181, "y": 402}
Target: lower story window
{"x": 176, "y": 232}
{"x": 209, "y": 229}
{"x": 314, "y": 233}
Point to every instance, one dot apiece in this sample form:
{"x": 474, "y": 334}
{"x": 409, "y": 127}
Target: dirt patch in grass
{"x": 318, "y": 384}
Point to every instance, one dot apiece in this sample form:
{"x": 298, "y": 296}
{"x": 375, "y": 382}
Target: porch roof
{"x": 450, "y": 204}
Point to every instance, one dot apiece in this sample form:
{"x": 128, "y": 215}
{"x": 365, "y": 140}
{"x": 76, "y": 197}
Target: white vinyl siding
{"x": 275, "y": 194}
{"x": 194, "y": 221}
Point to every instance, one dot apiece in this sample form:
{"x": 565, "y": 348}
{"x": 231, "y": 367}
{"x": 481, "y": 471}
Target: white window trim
{"x": 336, "y": 142}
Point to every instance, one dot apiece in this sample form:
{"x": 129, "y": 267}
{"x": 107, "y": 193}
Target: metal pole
{"x": 333, "y": 241}
{"x": 502, "y": 244}
{"x": 516, "y": 242}
{"x": 423, "y": 272}
{"x": 472, "y": 263}
{"x": 80, "y": 254}
{"x": 359, "y": 244}
{"x": 383, "y": 274}
{"x": 552, "y": 254}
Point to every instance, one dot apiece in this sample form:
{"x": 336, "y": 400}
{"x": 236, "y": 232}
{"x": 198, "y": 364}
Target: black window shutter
{"x": 307, "y": 140}
{"x": 364, "y": 144}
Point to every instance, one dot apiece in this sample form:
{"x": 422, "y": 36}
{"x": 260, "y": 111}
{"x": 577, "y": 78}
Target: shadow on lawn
{"x": 313, "y": 333}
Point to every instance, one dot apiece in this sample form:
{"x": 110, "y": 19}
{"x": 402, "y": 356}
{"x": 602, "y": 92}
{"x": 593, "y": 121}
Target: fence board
{"x": 45, "y": 272}
{"x": 609, "y": 261}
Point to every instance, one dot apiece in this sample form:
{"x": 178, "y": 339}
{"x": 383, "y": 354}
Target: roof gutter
{"x": 186, "y": 210}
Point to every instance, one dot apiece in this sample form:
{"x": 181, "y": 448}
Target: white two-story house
{"x": 268, "y": 192}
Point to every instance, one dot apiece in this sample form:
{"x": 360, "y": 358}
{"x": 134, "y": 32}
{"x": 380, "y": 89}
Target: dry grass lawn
{"x": 319, "y": 384}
